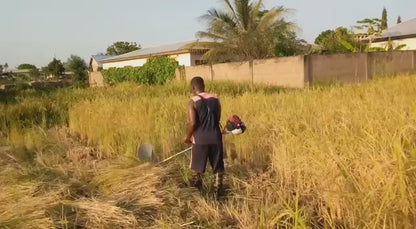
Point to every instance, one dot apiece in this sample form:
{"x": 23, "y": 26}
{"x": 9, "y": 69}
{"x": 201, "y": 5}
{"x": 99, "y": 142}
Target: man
{"x": 204, "y": 132}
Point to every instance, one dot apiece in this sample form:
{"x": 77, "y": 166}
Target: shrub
{"x": 157, "y": 70}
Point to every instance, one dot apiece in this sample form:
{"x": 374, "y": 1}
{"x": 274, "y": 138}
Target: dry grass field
{"x": 324, "y": 157}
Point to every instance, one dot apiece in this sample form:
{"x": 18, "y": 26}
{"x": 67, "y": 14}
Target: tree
{"x": 34, "y": 72}
{"x": 242, "y": 31}
{"x": 289, "y": 45}
{"x": 79, "y": 67}
{"x": 399, "y": 20}
{"x": 384, "y": 24}
{"x": 338, "y": 41}
{"x": 373, "y": 26}
{"x": 26, "y": 67}
{"x": 6, "y": 66}
{"x": 122, "y": 47}
{"x": 54, "y": 68}
{"x": 1, "y": 69}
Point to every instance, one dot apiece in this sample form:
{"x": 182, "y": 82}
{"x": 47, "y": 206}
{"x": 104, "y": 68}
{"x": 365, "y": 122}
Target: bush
{"x": 157, "y": 70}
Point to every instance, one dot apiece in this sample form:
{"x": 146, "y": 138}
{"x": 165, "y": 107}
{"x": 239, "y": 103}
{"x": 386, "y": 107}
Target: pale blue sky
{"x": 34, "y": 31}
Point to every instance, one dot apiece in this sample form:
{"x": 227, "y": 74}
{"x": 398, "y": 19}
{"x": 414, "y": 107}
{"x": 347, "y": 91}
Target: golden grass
{"x": 22, "y": 206}
{"x": 333, "y": 157}
{"x": 67, "y": 185}
{"x": 139, "y": 190}
{"x": 93, "y": 214}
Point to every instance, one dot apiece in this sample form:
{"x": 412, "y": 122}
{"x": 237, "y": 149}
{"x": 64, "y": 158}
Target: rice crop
{"x": 324, "y": 157}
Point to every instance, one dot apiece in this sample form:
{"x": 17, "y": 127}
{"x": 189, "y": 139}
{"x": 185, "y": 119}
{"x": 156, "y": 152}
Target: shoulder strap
{"x": 200, "y": 96}
{"x": 204, "y": 103}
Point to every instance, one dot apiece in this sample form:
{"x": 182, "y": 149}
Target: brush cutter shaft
{"x": 171, "y": 157}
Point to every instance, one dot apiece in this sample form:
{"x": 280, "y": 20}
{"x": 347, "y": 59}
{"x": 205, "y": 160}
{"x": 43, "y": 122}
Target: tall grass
{"x": 348, "y": 153}
{"x": 333, "y": 157}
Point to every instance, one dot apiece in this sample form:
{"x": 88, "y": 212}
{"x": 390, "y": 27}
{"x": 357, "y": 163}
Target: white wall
{"x": 122, "y": 64}
{"x": 183, "y": 59}
{"x": 409, "y": 42}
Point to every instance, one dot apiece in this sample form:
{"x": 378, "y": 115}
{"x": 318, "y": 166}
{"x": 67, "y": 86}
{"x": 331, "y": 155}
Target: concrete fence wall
{"x": 299, "y": 71}
{"x": 391, "y": 63}
{"x": 285, "y": 72}
{"x": 344, "y": 68}
{"x": 96, "y": 79}
{"x": 237, "y": 71}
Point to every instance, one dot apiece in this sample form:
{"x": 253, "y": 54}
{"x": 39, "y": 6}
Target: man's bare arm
{"x": 219, "y": 111}
{"x": 191, "y": 122}
{"x": 219, "y": 117}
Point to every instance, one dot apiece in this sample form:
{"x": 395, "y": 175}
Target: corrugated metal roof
{"x": 402, "y": 29}
{"x": 99, "y": 58}
{"x": 175, "y": 47}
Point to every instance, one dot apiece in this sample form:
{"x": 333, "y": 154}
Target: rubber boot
{"x": 197, "y": 181}
{"x": 219, "y": 178}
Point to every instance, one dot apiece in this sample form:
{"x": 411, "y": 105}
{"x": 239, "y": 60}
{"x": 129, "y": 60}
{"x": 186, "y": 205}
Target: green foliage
{"x": 55, "y": 68}
{"x": 160, "y": 69}
{"x": 399, "y": 20}
{"x": 384, "y": 24}
{"x": 155, "y": 71}
{"x": 121, "y": 47}
{"x": 26, "y": 66}
{"x": 373, "y": 26}
{"x": 113, "y": 76}
{"x": 3, "y": 68}
{"x": 289, "y": 45}
{"x": 338, "y": 41}
{"x": 78, "y": 66}
{"x": 34, "y": 72}
{"x": 242, "y": 31}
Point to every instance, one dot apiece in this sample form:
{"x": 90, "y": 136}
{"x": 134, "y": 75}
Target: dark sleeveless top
{"x": 207, "y": 129}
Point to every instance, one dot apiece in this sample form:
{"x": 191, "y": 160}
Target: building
{"x": 400, "y": 34}
{"x": 96, "y": 62}
{"x": 184, "y": 55}
{"x": 180, "y": 51}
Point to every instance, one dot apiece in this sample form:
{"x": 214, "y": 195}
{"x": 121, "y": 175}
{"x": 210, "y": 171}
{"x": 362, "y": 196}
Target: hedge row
{"x": 156, "y": 70}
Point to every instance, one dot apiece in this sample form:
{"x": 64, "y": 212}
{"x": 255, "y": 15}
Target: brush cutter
{"x": 146, "y": 153}
{"x": 233, "y": 126}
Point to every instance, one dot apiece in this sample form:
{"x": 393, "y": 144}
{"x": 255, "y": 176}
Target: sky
{"x": 36, "y": 31}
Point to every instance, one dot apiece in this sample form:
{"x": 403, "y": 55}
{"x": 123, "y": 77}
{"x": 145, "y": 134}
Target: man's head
{"x": 197, "y": 84}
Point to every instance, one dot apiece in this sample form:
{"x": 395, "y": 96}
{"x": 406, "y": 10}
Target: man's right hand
{"x": 187, "y": 140}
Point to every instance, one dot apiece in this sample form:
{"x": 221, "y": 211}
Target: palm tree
{"x": 242, "y": 31}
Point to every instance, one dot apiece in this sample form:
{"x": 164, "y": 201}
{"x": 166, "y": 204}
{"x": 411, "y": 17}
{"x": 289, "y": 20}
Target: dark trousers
{"x": 200, "y": 154}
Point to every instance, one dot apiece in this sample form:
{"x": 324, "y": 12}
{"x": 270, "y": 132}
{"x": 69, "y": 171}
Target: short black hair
{"x": 198, "y": 83}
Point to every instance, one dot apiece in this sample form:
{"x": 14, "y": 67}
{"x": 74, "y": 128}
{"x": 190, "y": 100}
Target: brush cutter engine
{"x": 234, "y": 125}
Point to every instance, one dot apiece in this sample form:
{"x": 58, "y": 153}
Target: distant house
{"x": 179, "y": 51}
{"x": 184, "y": 55}
{"x": 403, "y": 33}
{"x": 20, "y": 71}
